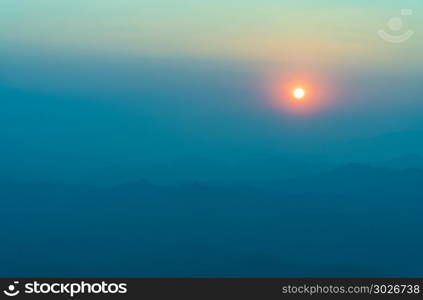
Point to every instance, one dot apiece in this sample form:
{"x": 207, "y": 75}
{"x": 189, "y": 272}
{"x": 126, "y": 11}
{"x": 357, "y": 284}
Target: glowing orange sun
{"x": 298, "y": 93}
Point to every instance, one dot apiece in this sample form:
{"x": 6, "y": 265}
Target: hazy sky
{"x": 300, "y": 31}
{"x": 119, "y": 81}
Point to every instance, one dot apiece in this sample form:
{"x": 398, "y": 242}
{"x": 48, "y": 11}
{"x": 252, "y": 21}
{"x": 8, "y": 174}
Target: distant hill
{"x": 354, "y": 220}
{"x": 410, "y": 161}
{"x": 382, "y": 147}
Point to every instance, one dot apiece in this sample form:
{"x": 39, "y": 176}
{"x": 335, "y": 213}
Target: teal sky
{"x": 300, "y": 31}
{"x": 141, "y": 77}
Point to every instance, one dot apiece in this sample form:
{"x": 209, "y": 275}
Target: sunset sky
{"x": 192, "y": 138}
{"x": 207, "y": 79}
{"x": 301, "y": 31}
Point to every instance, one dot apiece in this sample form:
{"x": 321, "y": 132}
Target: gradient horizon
{"x": 158, "y": 138}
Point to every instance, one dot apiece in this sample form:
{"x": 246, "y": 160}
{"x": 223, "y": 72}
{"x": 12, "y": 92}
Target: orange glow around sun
{"x": 299, "y": 93}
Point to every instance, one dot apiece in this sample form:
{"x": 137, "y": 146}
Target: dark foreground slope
{"x": 352, "y": 221}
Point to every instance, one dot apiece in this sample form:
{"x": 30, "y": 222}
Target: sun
{"x": 298, "y": 93}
